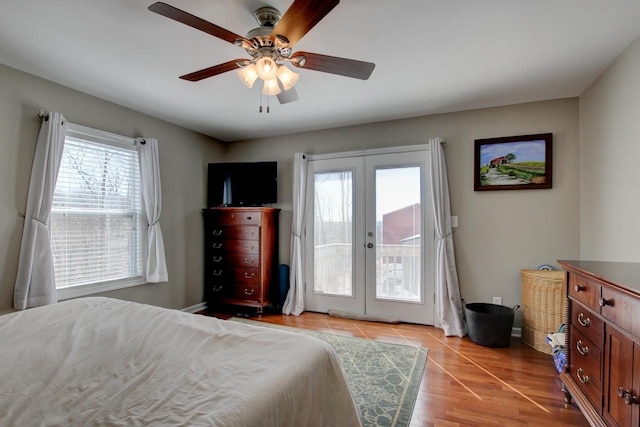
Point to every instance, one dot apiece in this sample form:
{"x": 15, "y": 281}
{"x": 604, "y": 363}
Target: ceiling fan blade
{"x": 213, "y": 71}
{"x": 195, "y": 22}
{"x": 301, "y": 17}
{"x": 287, "y": 96}
{"x": 334, "y": 65}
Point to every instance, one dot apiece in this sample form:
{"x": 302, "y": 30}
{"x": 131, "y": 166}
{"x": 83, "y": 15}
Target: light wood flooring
{"x": 464, "y": 384}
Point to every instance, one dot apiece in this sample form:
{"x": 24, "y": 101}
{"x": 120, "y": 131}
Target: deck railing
{"x": 397, "y": 271}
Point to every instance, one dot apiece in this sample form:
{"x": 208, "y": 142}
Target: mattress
{"x": 107, "y": 362}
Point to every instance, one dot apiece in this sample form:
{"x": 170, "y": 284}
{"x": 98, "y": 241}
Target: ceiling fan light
{"x": 248, "y": 75}
{"x": 271, "y": 87}
{"x": 287, "y": 77}
{"x": 266, "y": 68}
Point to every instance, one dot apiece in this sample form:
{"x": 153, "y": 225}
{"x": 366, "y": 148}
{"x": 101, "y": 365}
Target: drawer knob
{"x": 248, "y": 233}
{"x": 579, "y": 288}
{"x": 629, "y": 398}
{"x": 248, "y": 261}
{"x": 217, "y": 232}
{"x": 217, "y": 288}
{"x": 248, "y": 247}
{"x": 584, "y": 379}
{"x": 249, "y": 276}
{"x": 249, "y": 291}
{"x": 583, "y": 350}
{"x": 217, "y": 272}
{"x": 583, "y": 320}
{"x": 604, "y": 301}
{"x": 217, "y": 258}
{"x": 216, "y": 245}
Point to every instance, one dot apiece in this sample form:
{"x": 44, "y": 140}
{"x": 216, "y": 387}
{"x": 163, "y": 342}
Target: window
{"x": 97, "y": 222}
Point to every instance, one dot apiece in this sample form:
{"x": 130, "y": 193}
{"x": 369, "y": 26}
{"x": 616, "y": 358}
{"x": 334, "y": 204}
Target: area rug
{"x": 383, "y": 377}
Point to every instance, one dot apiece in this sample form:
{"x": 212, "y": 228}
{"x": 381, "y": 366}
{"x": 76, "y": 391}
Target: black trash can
{"x": 489, "y": 325}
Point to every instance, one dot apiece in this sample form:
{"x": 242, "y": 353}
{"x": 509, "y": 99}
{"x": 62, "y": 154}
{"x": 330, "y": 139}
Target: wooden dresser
{"x": 241, "y": 256}
{"x": 603, "y": 342}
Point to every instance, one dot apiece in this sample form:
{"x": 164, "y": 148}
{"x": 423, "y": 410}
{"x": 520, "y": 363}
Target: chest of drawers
{"x": 240, "y": 256}
{"x": 602, "y": 373}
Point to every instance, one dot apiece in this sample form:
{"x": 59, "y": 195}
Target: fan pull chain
{"x": 268, "y": 108}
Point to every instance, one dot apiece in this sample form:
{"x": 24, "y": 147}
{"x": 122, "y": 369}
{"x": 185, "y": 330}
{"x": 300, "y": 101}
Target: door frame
{"x": 428, "y": 273}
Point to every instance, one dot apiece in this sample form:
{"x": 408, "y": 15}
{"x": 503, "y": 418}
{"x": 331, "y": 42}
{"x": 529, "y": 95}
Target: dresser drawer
{"x": 217, "y": 273}
{"x": 244, "y": 276}
{"x": 586, "y": 367}
{"x": 249, "y": 292}
{"x": 246, "y": 232}
{"x": 585, "y": 290}
{"x": 235, "y": 246}
{"x": 243, "y": 260}
{"x": 587, "y": 323}
{"x": 222, "y": 217}
{"x": 219, "y": 260}
{"x": 622, "y": 310}
{"x": 216, "y": 287}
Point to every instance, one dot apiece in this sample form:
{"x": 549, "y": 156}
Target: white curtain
{"x": 152, "y": 197}
{"x": 294, "y": 304}
{"x": 35, "y": 282}
{"x": 448, "y": 301}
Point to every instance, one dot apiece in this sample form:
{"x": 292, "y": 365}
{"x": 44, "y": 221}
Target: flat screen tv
{"x": 242, "y": 184}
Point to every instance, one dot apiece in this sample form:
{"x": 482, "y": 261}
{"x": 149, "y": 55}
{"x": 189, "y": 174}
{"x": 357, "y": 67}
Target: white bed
{"x": 101, "y": 361}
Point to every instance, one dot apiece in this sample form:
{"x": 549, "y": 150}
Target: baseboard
{"x": 515, "y": 332}
{"x": 195, "y": 308}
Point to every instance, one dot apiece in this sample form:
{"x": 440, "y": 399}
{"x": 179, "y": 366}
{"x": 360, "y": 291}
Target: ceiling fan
{"x": 270, "y": 46}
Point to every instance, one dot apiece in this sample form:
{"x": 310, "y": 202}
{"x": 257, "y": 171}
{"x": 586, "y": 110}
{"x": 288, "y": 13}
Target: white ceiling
{"x": 431, "y": 56}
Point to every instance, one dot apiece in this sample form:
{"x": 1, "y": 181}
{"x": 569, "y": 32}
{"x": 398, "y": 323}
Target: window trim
{"x": 103, "y": 137}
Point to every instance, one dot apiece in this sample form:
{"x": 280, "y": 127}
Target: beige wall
{"x": 591, "y": 212}
{"x": 500, "y": 232}
{"x": 183, "y": 158}
{"x": 609, "y": 163}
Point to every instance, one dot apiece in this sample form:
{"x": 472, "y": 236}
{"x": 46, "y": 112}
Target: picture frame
{"x": 522, "y": 162}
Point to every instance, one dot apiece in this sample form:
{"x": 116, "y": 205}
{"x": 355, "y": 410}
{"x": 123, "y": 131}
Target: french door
{"x": 369, "y": 234}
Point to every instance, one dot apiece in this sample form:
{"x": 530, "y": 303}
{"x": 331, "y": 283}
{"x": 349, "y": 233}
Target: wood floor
{"x": 464, "y": 384}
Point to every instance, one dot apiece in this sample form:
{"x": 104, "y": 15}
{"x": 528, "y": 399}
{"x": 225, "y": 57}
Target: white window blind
{"x": 96, "y": 217}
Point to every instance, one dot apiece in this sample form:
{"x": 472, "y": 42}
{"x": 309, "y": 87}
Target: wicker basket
{"x": 543, "y": 308}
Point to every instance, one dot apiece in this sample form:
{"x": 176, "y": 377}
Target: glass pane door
{"x": 333, "y": 233}
{"x": 398, "y": 223}
{"x": 399, "y": 227}
{"x": 335, "y": 247}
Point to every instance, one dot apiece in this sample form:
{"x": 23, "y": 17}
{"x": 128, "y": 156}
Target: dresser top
{"x": 625, "y": 275}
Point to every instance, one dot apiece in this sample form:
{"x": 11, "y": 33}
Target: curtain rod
{"x": 43, "y": 115}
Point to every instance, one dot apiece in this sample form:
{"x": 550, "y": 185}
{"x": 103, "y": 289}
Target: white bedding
{"x": 101, "y": 361}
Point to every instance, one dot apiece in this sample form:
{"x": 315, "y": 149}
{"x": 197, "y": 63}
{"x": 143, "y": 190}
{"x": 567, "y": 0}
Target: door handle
{"x": 369, "y": 245}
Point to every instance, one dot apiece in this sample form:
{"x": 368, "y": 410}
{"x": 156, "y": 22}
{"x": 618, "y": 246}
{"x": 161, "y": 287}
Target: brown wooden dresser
{"x": 241, "y": 254}
{"x": 602, "y": 373}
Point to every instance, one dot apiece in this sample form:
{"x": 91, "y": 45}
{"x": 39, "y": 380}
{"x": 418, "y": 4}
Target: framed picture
{"x": 513, "y": 162}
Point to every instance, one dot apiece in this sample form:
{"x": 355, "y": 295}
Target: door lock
{"x": 369, "y": 245}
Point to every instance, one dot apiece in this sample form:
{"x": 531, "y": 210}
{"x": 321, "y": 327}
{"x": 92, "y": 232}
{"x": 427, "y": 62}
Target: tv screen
{"x": 242, "y": 184}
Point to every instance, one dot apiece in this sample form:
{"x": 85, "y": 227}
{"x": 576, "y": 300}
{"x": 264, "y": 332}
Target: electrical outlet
{"x": 497, "y": 300}
{"x": 454, "y": 222}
